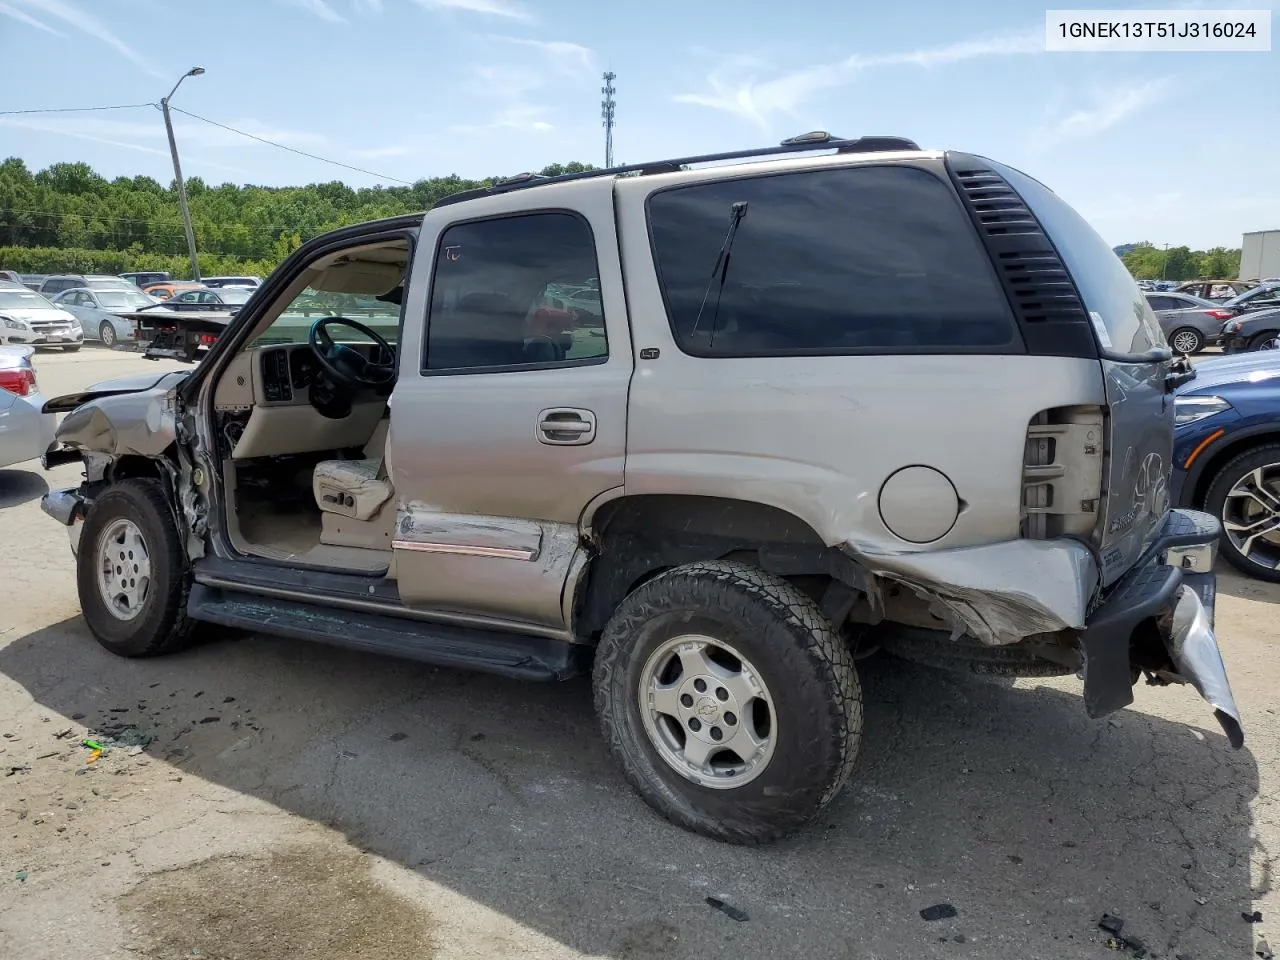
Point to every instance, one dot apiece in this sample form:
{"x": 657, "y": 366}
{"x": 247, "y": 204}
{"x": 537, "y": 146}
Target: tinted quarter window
{"x": 515, "y": 292}
{"x": 868, "y": 259}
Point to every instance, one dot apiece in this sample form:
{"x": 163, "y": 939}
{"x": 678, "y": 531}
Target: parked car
{"x": 858, "y": 431}
{"x": 1189, "y": 323}
{"x": 1265, "y": 296}
{"x": 1218, "y": 291}
{"x": 33, "y": 280}
{"x": 223, "y": 298}
{"x": 97, "y": 309}
{"x": 10, "y": 276}
{"x": 147, "y": 277}
{"x": 1254, "y": 330}
{"x": 1227, "y": 455}
{"x": 26, "y": 431}
{"x": 54, "y": 285}
{"x": 27, "y": 317}
{"x": 163, "y": 291}
{"x": 215, "y": 282}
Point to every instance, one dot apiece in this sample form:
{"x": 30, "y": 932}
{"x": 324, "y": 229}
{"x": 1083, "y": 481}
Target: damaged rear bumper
{"x": 1158, "y": 620}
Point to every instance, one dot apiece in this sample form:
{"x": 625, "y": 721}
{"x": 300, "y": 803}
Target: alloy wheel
{"x": 108, "y": 334}
{"x": 1186, "y": 341}
{"x": 1251, "y": 516}
{"x": 124, "y": 569}
{"x": 707, "y": 711}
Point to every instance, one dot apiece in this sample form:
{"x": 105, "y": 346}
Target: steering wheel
{"x": 345, "y": 365}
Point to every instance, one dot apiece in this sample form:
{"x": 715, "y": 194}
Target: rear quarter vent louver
{"x": 1035, "y": 280}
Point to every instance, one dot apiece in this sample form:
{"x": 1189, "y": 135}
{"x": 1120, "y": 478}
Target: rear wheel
{"x": 1245, "y": 495}
{"x": 1186, "y": 341}
{"x": 131, "y": 572}
{"x": 731, "y": 704}
{"x": 107, "y": 333}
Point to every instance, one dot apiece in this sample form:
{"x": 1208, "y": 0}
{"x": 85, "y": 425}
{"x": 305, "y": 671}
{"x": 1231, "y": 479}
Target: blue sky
{"x": 1171, "y": 147}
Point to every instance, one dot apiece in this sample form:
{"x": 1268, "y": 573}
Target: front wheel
{"x": 131, "y": 572}
{"x": 1245, "y": 494}
{"x": 107, "y": 333}
{"x": 1263, "y": 341}
{"x": 730, "y": 702}
{"x": 1186, "y": 341}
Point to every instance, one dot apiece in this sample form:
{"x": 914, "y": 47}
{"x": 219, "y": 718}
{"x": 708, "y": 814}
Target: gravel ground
{"x": 261, "y": 798}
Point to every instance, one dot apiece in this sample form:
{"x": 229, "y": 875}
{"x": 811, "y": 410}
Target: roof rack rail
{"x": 816, "y": 140}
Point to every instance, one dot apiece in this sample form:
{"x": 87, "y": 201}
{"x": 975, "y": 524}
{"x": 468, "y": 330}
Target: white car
{"x": 27, "y": 317}
{"x": 96, "y": 310}
{"x": 26, "y": 431}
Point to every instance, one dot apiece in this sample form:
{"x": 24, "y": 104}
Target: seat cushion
{"x": 351, "y": 488}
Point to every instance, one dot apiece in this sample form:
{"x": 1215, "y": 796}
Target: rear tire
{"x": 107, "y": 334}
{"x": 785, "y": 668}
{"x": 1186, "y": 341}
{"x": 130, "y": 528}
{"x": 1230, "y": 478}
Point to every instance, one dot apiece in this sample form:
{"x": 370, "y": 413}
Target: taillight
{"x": 1220, "y": 314}
{"x": 21, "y": 381}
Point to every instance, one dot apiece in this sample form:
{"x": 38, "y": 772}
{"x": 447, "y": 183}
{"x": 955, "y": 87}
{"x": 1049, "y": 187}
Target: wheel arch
{"x": 1204, "y": 471}
{"x": 636, "y": 538}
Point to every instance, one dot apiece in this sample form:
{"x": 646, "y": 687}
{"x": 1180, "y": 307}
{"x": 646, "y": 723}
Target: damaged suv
{"x": 848, "y": 396}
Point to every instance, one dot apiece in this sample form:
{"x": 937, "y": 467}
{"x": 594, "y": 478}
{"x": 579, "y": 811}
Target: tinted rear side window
{"x": 854, "y": 260}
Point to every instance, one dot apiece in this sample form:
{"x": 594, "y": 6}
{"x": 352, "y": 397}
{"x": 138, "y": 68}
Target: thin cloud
{"x": 87, "y": 23}
{"x": 492, "y": 8}
{"x": 570, "y": 57}
{"x": 29, "y": 20}
{"x": 736, "y": 89}
{"x": 1107, "y": 109}
{"x": 319, "y": 8}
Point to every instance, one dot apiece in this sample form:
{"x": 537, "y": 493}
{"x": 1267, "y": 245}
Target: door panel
{"x": 493, "y": 466}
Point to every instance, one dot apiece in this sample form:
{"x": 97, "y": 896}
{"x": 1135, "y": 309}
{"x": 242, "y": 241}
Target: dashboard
{"x": 263, "y": 405}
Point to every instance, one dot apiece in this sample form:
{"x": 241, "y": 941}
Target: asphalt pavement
{"x": 262, "y": 799}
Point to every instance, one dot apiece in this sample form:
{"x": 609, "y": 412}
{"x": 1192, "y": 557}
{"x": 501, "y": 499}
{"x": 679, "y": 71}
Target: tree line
{"x": 67, "y": 217}
{"x": 1146, "y": 261}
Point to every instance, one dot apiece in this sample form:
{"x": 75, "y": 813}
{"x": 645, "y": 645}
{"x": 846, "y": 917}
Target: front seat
{"x": 355, "y": 488}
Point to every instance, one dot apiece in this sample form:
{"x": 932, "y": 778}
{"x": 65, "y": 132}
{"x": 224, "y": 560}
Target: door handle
{"x": 566, "y": 426}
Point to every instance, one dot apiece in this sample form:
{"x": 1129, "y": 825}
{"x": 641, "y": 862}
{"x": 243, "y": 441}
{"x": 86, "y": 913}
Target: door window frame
{"x": 424, "y": 350}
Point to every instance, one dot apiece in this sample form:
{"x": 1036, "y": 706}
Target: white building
{"x": 1260, "y": 255}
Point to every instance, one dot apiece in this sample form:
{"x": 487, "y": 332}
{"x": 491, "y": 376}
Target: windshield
{"x": 234, "y": 296}
{"x": 294, "y": 325}
{"x": 108, "y": 283}
{"x": 122, "y": 299}
{"x": 1264, "y": 292}
{"x": 23, "y": 300}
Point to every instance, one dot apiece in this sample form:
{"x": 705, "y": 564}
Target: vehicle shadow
{"x": 1008, "y": 803}
{"x": 1233, "y": 583}
{"x": 19, "y": 486}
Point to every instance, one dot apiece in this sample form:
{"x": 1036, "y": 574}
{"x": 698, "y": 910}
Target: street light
{"x": 177, "y": 172}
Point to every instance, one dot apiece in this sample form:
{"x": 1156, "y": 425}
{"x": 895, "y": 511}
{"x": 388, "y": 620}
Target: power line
{"x": 117, "y": 106}
{"x": 301, "y": 153}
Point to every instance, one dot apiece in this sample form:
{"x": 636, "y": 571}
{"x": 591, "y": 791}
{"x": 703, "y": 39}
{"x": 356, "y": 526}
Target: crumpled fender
{"x": 122, "y": 421}
{"x": 998, "y": 593}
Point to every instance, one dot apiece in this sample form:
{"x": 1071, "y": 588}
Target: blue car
{"x": 1226, "y": 455}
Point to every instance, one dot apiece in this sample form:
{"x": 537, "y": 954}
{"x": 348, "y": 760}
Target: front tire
{"x": 1245, "y": 496}
{"x": 1186, "y": 341}
{"x": 132, "y": 573}
{"x": 725, "y": 648}
{"x": 107, "y": 334}
{"x": 1262, "y": 341}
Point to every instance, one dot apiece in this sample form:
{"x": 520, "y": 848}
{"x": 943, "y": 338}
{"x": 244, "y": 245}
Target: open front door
{"x": 509, "y": 414}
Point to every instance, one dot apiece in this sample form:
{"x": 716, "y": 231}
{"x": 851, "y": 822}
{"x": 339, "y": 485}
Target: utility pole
{"x": 177, "y": 172}
{"x": 606, "y": 112}
{"x": 1164, "y": 268}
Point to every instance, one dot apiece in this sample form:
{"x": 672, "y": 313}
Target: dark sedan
{"x": 1255, "y": 330}
{"x": 1226, "y": 455}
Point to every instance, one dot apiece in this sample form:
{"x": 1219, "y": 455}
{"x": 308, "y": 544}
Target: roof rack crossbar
{"x": 804, "y": 144}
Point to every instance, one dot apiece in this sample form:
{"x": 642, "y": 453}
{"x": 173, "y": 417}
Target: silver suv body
{"x": 711, "y": 432}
